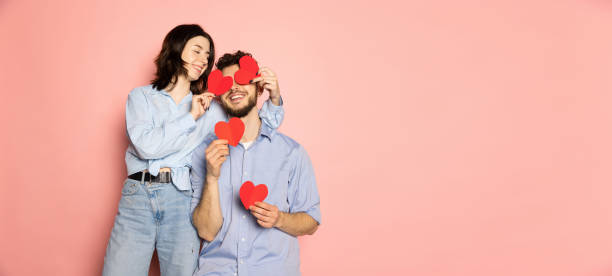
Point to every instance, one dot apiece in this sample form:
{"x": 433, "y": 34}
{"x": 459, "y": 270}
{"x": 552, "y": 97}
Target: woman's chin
{"x": 193, "y": 77}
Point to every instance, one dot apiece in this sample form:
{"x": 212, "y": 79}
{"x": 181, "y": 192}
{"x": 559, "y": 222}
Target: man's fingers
{"x": 267, "y": 70}
{"x": 264, "y": 224}
{"x": 263, "y": 219}
{"x": 259, "y": 216}
{"x": 269, "y": 81}
{"x": 256, "y": 209}
{"x": 217, "y": 161}
{"x": 213, "y": 152}
{"x": 261, "y": 211}
{"x": 218, "y": 142}
{"x": 263, "y": 205}
{"x": 220, "y": 161}
{"x": 269, "y": 86}
{"x": 219, "y": 154}
{"x": 258, "y": 79}
{"x": 212, "y": 146}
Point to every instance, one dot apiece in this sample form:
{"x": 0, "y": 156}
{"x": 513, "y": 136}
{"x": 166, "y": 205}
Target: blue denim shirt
{"x": 241, "y": 246}
{"x": 164, "y": 134}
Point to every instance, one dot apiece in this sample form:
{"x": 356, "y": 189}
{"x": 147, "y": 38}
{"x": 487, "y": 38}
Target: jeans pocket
{"x": 130, "y": 187}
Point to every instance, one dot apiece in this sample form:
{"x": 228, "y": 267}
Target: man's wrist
{"x": 281, "y": 219}
{"x": 211, "y": 179}
{"x": 275, "y": 100}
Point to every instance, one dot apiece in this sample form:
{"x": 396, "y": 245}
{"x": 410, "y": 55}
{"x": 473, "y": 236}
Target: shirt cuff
{"x": 315, "y": 213}
{"x": 272, "y": 105}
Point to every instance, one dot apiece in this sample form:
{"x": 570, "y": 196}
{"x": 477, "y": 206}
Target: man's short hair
{"x": 231, "y": 59}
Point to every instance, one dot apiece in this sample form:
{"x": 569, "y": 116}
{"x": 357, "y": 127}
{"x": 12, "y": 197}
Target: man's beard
{"x": 252, "y": 101}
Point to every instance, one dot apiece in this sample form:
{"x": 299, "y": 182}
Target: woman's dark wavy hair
{"x": 169, "y": 62}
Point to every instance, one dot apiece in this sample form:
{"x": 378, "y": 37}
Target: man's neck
{"x": 252, "y": 124}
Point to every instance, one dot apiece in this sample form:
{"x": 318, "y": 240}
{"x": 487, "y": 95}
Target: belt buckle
{"x": 162, "y": 177}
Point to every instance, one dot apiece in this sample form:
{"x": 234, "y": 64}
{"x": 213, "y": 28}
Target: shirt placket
{"x": 243, "y": 245}
{"x": 173, "y": 109}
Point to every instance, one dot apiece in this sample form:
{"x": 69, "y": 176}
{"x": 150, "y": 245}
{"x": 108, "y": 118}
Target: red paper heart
{"x": 243, "y": 77}
{"x": 218, "y": 84}
{"x": 249, "y": 193}
{"x": 248, "y": 70}
{"x": 232, "y": 131}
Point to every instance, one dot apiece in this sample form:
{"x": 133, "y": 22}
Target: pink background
{"x": 448, "y": 137}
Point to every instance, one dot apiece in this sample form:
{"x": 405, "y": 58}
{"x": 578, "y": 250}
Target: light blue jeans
{"x": 152, "y": 216}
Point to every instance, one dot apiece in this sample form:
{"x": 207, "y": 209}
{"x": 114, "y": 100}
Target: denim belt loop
{"x": 142, "y": 179}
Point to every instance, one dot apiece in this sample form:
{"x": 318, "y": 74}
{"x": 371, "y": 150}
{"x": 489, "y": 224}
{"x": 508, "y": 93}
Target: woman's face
{"x": 195, "y": 55}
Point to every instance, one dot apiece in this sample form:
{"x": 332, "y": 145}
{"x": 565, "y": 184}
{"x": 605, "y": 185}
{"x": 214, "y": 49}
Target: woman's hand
{"x": 200, "y": 103}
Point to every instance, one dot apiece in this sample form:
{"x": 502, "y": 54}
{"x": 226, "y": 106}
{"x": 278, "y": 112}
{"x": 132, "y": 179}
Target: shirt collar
{"x": 163, "y": 92}
{"x": 158, "y": 91}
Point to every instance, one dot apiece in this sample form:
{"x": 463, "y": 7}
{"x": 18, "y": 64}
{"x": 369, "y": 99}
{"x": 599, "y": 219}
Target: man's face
{"x": 240, "y": 99}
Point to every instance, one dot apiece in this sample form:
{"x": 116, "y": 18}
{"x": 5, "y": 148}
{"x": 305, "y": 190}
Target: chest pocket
{"x": 277, "y": 181}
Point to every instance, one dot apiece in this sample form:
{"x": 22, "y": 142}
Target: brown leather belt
{"x": 162, "y": 177}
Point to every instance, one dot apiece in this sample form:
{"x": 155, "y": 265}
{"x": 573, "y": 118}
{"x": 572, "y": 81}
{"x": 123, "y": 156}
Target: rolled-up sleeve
{"x": 271, "y": 114}
{"x": 303, "y": 195}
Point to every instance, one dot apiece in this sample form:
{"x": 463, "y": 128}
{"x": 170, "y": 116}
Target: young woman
{"x": 165, "y": 122}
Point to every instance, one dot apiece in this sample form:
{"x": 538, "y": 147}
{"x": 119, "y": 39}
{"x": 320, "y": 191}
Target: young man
{"x": 261, "y": 240}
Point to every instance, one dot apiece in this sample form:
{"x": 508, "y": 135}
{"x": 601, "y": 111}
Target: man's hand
{"x": 269, "y": 82}
{"x": 295, "y": 224}
{"x": 267, "y": 215}
{"x": 200, "y": 103}
{"x": 216, "y": 154}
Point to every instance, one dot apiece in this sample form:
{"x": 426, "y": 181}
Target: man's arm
{"x": 295, "y": 224}
{"x": 207, "y": 216}
{"x": 271, "y": 112}
{"x": 304, "y": 213}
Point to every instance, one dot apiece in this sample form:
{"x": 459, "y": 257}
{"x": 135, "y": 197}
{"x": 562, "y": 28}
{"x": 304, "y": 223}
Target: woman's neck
{"x": 178, "y": 89}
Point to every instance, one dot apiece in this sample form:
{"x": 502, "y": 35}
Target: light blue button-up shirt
{"x": 241, "y": 246}
{"x": 164, "y": 134}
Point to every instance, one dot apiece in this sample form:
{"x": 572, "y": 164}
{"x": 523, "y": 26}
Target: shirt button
{"x": 246, "y": 173}
{"x": 243, "y": 239}
{"x": 241, "y": 262}
{"x": 243, "y": 216}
